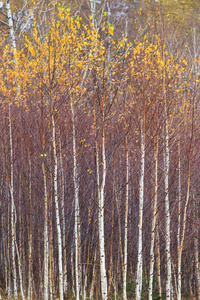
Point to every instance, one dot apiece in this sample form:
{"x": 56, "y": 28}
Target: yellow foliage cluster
{"x": 66, "y": 57}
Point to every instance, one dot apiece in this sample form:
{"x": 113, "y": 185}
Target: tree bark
{"x": 13, "y": 42}
{"x": 126, "y": 222}
{"x": 30, "y": 239}
{"x": 154, "y": 220}
{"x": 13, "y": 217}
{"x": 196, "y": 250}
{"x": 63, "y": 221}
{"x": 101, "y": 203}
{"x": 77, "y": 213}
{"x": 167, "y": 208}
{"x": 111, "y": 245}
{"x": 158, "y": 260}
{"x": 55, "y": 180}
{"x": 46, "y": 238}
{"x": 180, "y": 250}
{"x": 141, "y": 202}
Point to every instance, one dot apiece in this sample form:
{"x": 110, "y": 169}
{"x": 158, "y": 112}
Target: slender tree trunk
{"x": 141, "y": 202}
{"x": 13, "y": 41}
{"x": 183, "y": 228}
{"x": 30, "y": 234}
{"x": 85, "y": 281}
{"x": 14, "y": 242}
{"x": 50, "y": 277}
{"x": 12, "y": 212}
{"x": 126, "y": 223}
{"x": 21, "y": 247}
{"x": 93, "y": 12}
{"x": 46, "y": 234}
{"x": 120, "y": 233}
{"x": 101, "y": 203}
{"x": 153, "y": 229}
{"x": 11, "y": 27}
{"x": 39, "y": 270}
{"x": 51, "y": 254}
{"x": 101, "y": 217}
{"x": 94, "y": 271}
{"x": 4, "y": 248}
{"x": 20, "y": 271}
{"x": 180, "y": 250}
{"x": 77, "y": 214}
{"x": 117, "y": 274}
{"x": 46, "y": 238}
{"x": 111, "y": 245}
{"x": 4, "y": 238}
{"x": 8, "y": 257}
{"x": 196, "y": 250}
{"x": 158, "y": 260}
{"x": 55, "y": 179}
{"x": 63, "y": 220}
{"x": 179, "y": 216}
{"x": 72, "y": 268}
{"x": 167, "y": 208}
{"x": 14, "y": 247}
{"x": 101, "y": 222}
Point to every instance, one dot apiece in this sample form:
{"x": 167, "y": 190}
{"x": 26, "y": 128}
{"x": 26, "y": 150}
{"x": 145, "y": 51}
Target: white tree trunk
{"x": 179, "y": 217}
{"x": 110, "y": 272}
{"x": 196, "y": 254}
{"x": 141, "y": 202}
{"x": 120, "y": 234}
{"x": 153, "y": 229}
{"x": 101, "y": 222}
{"x": 93, "y": 276}
{"x": 93, "y": 7}
{"x": 167, "y": 209}
{"x": 55, "y": 178}
{"x": 101, "y": 204}
{"x": 158, "y": 260}
{"x": 30, "y": 238}
{"x": 77, "y": 215}
{"x": 13, "y": 41}
{"x": 63, "y": 221}
{"x": 20, "y": 271}
{"x": 183, "y": 228}
{"x": 4, "y": 250}
{"x": 46, "y": 239}
{"x": 12, "y": 212}
{"x": 8, "y": 254}
{"x": 11, "y": 27}
{"x": 72, "y": 268}
{"x": 126, "y": 223}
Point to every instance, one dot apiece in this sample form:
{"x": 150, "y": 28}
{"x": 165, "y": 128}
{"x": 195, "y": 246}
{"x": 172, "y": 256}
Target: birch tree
{"x": 180, "y": 243}
{"x": 76, "y": 191}
{"x": 100, "y": 193}
{"x": 55, "y": 181}
{"x": 13, "y": 213}
{"x": 167, "y": 207}
{"x": 13, "y": 42}
{"x": 126, "y": 222}
{"x": 46, "y": 234}
{"x": 141, "y": 203}
{"x": 154, "y": 219}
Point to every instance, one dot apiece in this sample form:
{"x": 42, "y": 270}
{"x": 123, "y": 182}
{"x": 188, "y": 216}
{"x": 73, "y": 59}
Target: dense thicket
{"x": 99, "y": 151}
